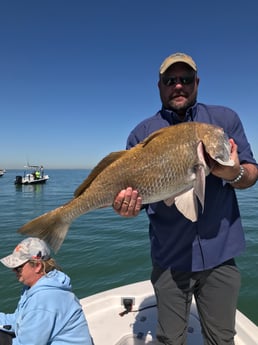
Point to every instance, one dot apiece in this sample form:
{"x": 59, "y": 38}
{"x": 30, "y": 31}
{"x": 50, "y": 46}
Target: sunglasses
{"x": 20, "y": 268}
{"x": 168, "y": 81}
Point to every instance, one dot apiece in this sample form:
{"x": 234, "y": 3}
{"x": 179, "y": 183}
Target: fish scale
{"x": 170, "y": 165}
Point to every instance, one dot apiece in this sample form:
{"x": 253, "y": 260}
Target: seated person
{"x": 48, "y": 311}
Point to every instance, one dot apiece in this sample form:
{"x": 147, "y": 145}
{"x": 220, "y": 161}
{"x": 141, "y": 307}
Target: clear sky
{"x": 76, "y": 75}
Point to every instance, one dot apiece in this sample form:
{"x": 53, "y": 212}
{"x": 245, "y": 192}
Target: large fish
{"x": 170, "y": 165}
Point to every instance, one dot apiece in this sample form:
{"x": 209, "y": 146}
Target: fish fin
{"x": 106, "y": 161}
{"x": 50, "y": 227}
{"x": 199, "y": 184}
{"x": 186, "y": 203}
{"x": 201, "y": 170}
{"x": 151, "y": 137}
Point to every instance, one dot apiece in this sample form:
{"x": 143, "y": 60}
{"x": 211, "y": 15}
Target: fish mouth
{"x": 209, "y": 160}
{"x": 212, "y": 162}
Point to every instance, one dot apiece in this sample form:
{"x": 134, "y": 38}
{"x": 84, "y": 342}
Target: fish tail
{"x": 50, "y": 227}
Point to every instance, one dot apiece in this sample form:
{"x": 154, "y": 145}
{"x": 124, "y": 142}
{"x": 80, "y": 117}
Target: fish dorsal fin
{"x": 106, "y": 161}
{"x": 186, "y": 203}
{"x": 152, "y": 136}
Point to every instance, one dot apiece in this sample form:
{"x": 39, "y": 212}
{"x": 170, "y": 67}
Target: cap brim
{"x": 12, "y": 262}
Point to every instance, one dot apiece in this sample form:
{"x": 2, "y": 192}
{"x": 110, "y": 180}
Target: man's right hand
{"x": 127, "y": 203}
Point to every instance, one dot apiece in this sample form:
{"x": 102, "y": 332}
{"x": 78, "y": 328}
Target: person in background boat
{"x": 195, "y": 258}
{"x": 48, "y": 311}
{"x": 37, "y": 174}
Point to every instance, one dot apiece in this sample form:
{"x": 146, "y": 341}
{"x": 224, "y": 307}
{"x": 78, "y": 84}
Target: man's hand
{"x": 127, "y": 203}
{"x": 226, "y": 172}
{"x": 248, "y": 177}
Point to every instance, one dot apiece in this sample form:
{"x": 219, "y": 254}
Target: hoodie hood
{"x": 55, "y": 279}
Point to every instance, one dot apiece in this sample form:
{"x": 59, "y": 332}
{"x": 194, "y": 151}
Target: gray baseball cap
{"x": 31, "y": 248}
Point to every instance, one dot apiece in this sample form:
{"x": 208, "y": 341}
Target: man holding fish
{"x": 182, "y": 168}
{"x": 194, "y": 256}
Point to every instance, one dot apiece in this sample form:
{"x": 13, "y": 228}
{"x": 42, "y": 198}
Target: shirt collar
{"x": 173, "y": 118}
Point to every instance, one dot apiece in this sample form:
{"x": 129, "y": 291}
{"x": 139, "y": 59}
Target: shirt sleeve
{"x": 7, "y": 320}
{"x": 244, "y": 149}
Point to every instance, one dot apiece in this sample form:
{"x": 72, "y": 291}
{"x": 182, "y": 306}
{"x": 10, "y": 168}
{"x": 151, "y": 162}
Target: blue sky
{"x": 76, "y": 76}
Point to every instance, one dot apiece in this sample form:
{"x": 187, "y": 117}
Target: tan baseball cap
{"x": 177, "y": 57}
{"x": 31, "y": 248}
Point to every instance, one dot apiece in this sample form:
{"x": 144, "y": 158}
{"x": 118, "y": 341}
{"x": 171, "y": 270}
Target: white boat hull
{"x": 108, "y": 327}
{"x": 30, "y": 179}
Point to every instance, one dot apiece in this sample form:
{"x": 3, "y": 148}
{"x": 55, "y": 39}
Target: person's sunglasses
{"x": 168, "y": 81}
{"x": 20, "y": 268}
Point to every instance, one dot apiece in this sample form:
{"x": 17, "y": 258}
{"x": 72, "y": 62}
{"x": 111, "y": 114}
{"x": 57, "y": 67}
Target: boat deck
{"x": 109, "y": 324}
{"x": 137, "y": 327}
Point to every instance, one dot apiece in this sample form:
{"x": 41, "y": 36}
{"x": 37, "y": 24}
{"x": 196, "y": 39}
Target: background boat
{"x": 33, "y": 174}
{"x": 2, "y": 172}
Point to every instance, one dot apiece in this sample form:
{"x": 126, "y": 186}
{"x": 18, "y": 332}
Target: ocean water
{"x": 103, "y": 250}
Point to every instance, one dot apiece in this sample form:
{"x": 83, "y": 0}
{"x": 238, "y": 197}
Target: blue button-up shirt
{"x": 217, "y": 235}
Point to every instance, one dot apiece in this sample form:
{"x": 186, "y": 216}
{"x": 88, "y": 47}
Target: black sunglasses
{"x": 20, "y": 268}
{"x": 168, "y": 81}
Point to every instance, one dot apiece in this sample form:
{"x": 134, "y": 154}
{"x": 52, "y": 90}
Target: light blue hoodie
{"x": 48, "y": 313}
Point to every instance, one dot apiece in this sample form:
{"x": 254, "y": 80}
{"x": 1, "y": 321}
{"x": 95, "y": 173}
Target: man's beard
{"x": 181, "y": 108}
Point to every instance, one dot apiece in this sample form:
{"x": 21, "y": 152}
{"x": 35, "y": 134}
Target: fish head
{"x": 217, "y": 146}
